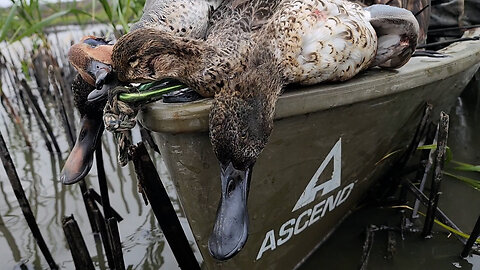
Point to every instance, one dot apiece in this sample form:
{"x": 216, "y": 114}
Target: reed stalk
{"x": 23, "y": 202}
{"x": 41, "y": 116}
{"x": 16, "y": 118}
{"x": 100, "y": 220}
{"x": 114, "y": 235}
{"x": 437, "y": 175}
{"x": 78, "y": 248}
{"x": 60, "y": 107}
{"x": 162, "y": 207}
{"x": 471, "y": 240}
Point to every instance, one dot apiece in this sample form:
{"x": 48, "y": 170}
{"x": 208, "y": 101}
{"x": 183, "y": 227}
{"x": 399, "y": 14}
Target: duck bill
{"x": 100, "y": 71}
{"x": 108, "y": 81}
{"x": 231, "y": 225}
{"x": 80, "y": 160}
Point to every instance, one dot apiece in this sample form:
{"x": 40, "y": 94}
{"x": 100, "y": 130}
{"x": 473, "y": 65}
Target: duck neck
{"x": 241, "y": 118}
{"x": 81, "y": 88}
{"x": 194, "y": 63}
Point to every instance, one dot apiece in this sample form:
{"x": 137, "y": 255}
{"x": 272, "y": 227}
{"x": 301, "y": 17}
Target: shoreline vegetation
{"x": 31, "y": 18}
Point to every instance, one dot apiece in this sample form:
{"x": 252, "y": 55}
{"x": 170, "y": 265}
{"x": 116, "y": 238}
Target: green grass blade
{"x": 448, "y": 151}
{"x": 106, "y": 8}
{"x": 8, "y": 22}
{"x": 389, "y": 155}
{"x": 43, "y": 23}
{"x": 427, "y": 147}
{"x": 466, "y": 167}
{"x": 122, "y": 20}
{"x": 472, "y": 182}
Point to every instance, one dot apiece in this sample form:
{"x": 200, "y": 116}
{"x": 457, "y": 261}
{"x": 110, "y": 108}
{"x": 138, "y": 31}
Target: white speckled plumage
{"x": 313, "y": 40}
{"x": 321, "y": 40}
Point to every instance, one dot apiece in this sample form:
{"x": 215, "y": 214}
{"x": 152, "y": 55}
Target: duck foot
{"x": 181, "y": 96}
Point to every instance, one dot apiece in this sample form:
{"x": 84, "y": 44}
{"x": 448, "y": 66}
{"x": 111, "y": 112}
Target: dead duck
{"x": 302, "y": 42}
{"x": 91, "y": 57}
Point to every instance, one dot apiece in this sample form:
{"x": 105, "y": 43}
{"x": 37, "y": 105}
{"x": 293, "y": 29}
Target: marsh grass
{"x": 457, "y": 166}
{"x": 29, "y": 18}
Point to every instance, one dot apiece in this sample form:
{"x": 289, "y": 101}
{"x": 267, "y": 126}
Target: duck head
{"x": 241, "y": 120}
{"x": 149, "y": 54}
{"x": 92, "y": 59}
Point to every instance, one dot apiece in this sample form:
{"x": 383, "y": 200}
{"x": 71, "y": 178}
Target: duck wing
{"x": 244, "y": 15}
{"x": 185, "y": 18}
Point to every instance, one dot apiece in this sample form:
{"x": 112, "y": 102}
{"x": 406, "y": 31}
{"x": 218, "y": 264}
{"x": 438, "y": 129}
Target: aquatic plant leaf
{"x": 427, "y": 147}
{"x": 8, "y": 22}
{"x": 445, "y": 226}
{"x": 448, "y": 151}
{"x": 472, "y": 182}
{"x": 122, "y": 19}
{"x": 389, "y": 155}
{"x": 466, "y": 167}
{"x": 43, "y": 23}
{"x": 107, "y": 9}
{"x": 25, "y": 71}
{"x": 78, "y": 12}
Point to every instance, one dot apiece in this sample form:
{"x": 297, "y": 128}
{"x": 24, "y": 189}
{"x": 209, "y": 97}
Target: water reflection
{"x": 143, "y": 241}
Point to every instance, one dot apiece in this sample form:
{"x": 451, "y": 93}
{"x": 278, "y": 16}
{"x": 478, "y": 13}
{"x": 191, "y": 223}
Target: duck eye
{"x": 94, "y": 42}
{"x": 244, "y": 134}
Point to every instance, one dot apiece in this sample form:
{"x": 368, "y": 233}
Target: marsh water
{"x": 143, "y": 243}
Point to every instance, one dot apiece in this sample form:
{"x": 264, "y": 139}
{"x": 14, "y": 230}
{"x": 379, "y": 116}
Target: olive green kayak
{"x": 325, "y": 152}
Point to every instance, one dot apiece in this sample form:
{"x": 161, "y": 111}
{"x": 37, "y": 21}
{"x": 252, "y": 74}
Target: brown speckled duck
{"x": 253, "y": 49}
{"x": 183, "y": 18}
{"x": 91, "y": 57}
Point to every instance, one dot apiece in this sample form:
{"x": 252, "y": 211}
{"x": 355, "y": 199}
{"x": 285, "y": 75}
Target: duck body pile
{"x": 251, "y": 50}
{"x": 91, "y": 57}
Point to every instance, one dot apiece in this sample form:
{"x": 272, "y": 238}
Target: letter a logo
{"x": 311, "y": 190}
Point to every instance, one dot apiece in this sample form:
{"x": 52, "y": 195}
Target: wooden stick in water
{"x": 437, "y": 175}
{"x": 88, "y": 202}
{"x": 473, "y": 237}
{"x": 23, "y": 202}
{"x": 112, "y": 228}
{"x": 162, "y": 207}
{"x": 94, "y": 195}
{"x": 105, "y": 238}
{"x": 107, "y": 210}
{"x": 81, "y": 257}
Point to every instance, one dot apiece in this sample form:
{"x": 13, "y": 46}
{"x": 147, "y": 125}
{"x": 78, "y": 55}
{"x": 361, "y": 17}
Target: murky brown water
{"x": 143, "y": 242}
{"x": 460, "y": 202}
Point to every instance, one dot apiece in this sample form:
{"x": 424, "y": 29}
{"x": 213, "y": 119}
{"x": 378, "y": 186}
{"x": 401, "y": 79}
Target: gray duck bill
{"x": 230, "y": 231}
{"x": 100, "y": 72}
{"x": 80, "y": 160}
{"x": 108, "y": 83}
